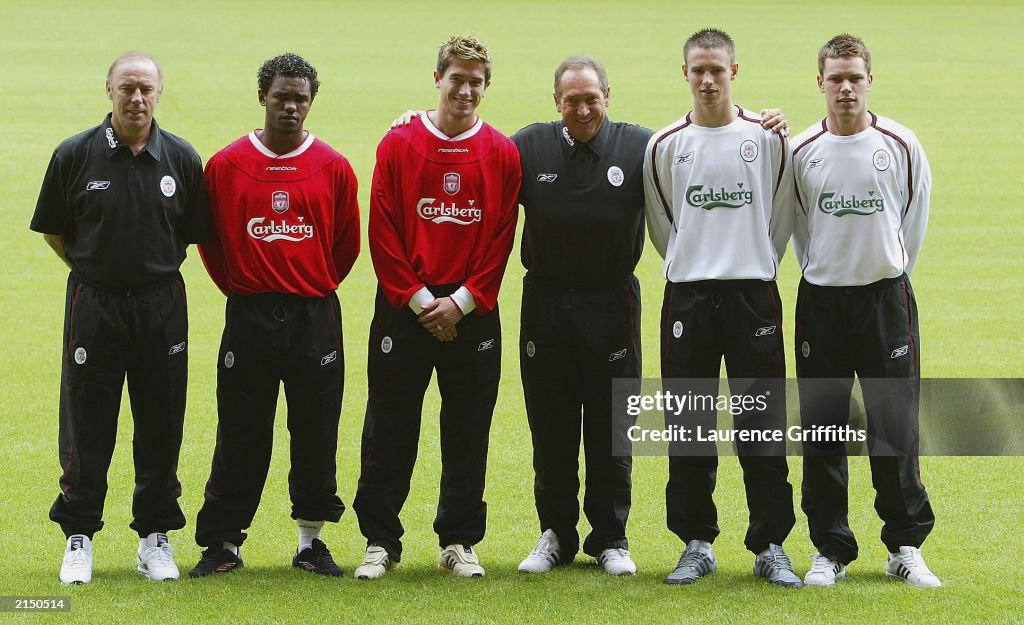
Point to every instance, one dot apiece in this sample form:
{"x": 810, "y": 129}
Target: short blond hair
{"x": 843, "y": 46}
{"x": 467, "y": 48}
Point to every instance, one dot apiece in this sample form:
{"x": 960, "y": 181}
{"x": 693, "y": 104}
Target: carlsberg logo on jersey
{"x": 448, "y": 212}
{"x": 716, "y": 198}
{"x": 829, "y": 204}
{"x": 278, "y": 230}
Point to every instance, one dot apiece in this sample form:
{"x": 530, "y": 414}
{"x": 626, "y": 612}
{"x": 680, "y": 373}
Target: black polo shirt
{"x": 126, "y": 218}
{"x": 584, "y": 203}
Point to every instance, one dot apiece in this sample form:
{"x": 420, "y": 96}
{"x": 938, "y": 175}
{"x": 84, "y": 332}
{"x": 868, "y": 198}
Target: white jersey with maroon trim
{"x": 863, "y": 203}
{"x": 719, "y": 201}
{"x": 443, "y": 212}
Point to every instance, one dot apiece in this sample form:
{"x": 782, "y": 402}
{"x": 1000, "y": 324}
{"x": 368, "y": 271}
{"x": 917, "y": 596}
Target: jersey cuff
{"x": 420, "y": 299}
{"x": 464, "y": 300}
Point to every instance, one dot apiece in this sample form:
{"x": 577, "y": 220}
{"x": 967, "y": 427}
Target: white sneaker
{"x": 375, "y": 564}
{"x": 617, "y": 562}
{"x": 824, "y": 572}
{"x": 460, "y": 560}
{"x": 77, "y": 565}
{"x": 909, "y": 564}
{"x": 156, "y": 558}
{"x": 544, "y": 556}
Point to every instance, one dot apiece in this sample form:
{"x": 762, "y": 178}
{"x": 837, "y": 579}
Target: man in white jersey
{"x": 863, "y": 187}
{"x": 719, "y": 203}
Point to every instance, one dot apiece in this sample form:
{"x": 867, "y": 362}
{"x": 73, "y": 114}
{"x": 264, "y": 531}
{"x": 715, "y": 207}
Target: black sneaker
{"x": 317, "y": 559}
{"x": 216, "y": 561}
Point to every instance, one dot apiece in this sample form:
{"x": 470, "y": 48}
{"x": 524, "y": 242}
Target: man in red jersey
{"x": 286, "y": 223}
{"x": 442, "y": 222}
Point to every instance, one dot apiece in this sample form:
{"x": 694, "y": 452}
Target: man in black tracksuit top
{"x": 583, "y": 198}
{"x": 119, "y": 204}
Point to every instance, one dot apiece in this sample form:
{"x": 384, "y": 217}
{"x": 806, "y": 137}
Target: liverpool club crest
{"x": 452, "y": 183}
{"x": 279, "y": 201}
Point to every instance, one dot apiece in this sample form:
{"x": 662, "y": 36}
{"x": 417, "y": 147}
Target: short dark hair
{"x": 580, "y": 62}
{"x": 711, "y": 38}
{"x": 467, "y": 48}
{"x": 844, "y": 46}
{"x": 291, "y": 65}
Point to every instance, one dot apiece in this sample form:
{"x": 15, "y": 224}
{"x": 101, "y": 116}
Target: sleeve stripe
{"x": 654, "y": 168}
{"x": 910, "y": 163}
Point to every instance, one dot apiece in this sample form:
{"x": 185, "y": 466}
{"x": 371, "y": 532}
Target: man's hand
{"x": 56, "y": 243}
{"x": 775, "y": 120}
{"x": 439, "y": 318}
{"x": 405, "y": 118}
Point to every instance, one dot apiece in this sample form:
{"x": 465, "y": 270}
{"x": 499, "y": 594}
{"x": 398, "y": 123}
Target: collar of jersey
{"x": 434, "y": 130}
{"x": 596, "y": 143}
{"x": 152, "y": 145}
{"x": 256, "y": 143}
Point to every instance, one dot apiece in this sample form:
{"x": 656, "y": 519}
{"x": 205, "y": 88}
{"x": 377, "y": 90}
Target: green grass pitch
{"x": 950, "y": 71}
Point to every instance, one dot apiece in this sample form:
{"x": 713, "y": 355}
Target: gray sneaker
{"x": 696, "y": 562}
{"x": 773, "y": 564}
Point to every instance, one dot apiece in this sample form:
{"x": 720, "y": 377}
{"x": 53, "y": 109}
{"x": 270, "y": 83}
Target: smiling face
{"x": 582, "y": 102}
{"x": 462, "y": 87}
{"x": 845, "y": 81}
{"x": 134, "y": 88}
{"x": 287, "y": 101}
{"x": 710, "y": 72}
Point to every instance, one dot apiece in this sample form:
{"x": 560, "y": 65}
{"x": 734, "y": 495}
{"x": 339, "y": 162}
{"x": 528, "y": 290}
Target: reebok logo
{"x": 485, "y": 345}
{"x": 684, "y": 158}
{"x": 176, "y": 349}
{"x": 765, "y": 331}
{"x": 619, "y": 355}
{"x": 900, "y": 351}
{"x": 547, "y": 177}
{"x": 97, "y": 185}
{"x": 329, "y": 358}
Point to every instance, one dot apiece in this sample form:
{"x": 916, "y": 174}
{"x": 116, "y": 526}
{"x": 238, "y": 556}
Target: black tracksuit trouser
{"x": 401, "y": 359}
{"x": 740, "y": 320}
{"x": 870, "y": 331}
{"x": 109, "y": 337}
{"x": 572, "y": 344}
{"x": 268, "y": 339}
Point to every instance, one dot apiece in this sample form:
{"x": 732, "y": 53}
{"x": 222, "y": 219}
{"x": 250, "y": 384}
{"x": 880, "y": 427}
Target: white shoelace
{"x": 543, "y": 549}
{"x": 160, "y": 556}
{"x": 821, "y": 564}
{"x": 616, "y": 554}
{"x": 76, "y": 559}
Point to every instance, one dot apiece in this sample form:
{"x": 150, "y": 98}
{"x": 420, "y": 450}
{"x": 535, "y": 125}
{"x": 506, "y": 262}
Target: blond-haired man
{"x": 442, "y": 223}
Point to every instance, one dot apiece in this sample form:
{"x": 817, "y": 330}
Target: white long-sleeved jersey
{"x": 719, "y": 201}
{"x": 863, "y": 203}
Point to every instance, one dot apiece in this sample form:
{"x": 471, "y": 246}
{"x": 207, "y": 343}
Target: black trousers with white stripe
{"x": 109, "y": 337}
{"x": 268, "y": 339}
{"x": 402, "y": 356}
{"x": 572, "y": 344}
{"x": 740, "y": 320}
{"x": 870, "y": 331}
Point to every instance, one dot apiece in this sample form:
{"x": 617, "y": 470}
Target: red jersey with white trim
{"x": 282, "y": 223}
{"x": 443, "y": 210}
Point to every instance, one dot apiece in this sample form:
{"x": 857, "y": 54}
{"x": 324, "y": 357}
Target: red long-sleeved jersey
{"x": 282, "y": 223}
{"x": 443, "y": 211}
